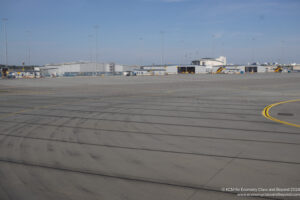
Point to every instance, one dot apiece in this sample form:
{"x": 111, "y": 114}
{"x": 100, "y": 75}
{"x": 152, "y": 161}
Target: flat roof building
{"x": 84, "y": 69}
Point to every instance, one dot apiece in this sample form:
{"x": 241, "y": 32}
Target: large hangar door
{"x": 186, "y": 70}
{"x": 191, "y": 70}
{"x": 181, "y": 70}
{"x": 251, "y": 69}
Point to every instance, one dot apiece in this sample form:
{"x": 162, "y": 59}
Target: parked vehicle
{"x": 11, "y": 75}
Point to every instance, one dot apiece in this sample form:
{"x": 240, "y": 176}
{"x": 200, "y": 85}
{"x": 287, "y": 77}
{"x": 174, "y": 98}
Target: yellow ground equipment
{"x": 278, "y": 69}
{"x": 220, "y": 70}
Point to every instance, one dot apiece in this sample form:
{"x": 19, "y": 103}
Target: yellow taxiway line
{"x": 266, "y": 114}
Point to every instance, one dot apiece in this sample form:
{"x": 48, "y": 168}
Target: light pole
{"x": 253, "y": 53}
{"x": 181, "y": 43}
{"x": 29, "y": 56}
{"x": 141, "y": 50}
{"x": 282, "y": 52}
{"x": 162, "y": 48}
{"x": 90, "y": 48}
{"x": 96, "y": 38}
{"x": 5, "y": 35}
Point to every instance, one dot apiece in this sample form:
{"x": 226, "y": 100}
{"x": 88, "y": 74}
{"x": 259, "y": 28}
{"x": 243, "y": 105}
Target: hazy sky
{"x": 130, "y": 30}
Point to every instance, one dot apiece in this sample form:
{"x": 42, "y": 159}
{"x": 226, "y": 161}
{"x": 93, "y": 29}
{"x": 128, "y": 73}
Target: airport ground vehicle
{"x": 11, "y": 75}
{"x": 4, "y": 72}
{"x": 220, "y": 70}
{"x": 278, "y": 69}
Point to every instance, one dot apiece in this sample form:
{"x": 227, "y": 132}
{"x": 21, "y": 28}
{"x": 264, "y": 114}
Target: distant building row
{"x": 208, "y": 65}
{"x": 204, "y": 65}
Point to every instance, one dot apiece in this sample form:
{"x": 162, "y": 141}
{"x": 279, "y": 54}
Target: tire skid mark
{"x": 116, "y": 176}
{"x": 157, "y": 150}
{"x": 152, "y": 123}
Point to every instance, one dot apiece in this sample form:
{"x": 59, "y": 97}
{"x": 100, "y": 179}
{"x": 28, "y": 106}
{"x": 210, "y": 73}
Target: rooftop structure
{"x": 210, "y": 61}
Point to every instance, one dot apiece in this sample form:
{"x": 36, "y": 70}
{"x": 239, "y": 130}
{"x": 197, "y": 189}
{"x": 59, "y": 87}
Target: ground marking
{"x": 266, "y": 114}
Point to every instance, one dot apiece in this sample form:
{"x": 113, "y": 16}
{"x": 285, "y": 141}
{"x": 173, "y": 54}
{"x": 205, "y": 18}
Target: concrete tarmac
{"x": 158, "y": 137}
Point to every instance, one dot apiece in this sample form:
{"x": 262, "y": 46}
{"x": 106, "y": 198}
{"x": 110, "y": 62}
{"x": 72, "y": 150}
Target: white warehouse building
{"x": 84, "y": 69}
